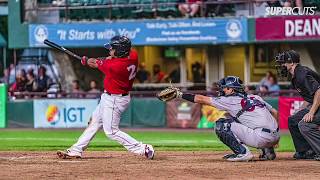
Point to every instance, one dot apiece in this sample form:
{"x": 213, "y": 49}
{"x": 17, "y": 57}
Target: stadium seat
{"x": 120, "y": 12}
{"x": 312, "y": 3}
{"x": 173, "y": 8}
{"x": 74, "y": 2}
{"x": 135, "y": 9}
{"x": 45, "y": 1}
{"x": 97, "y": 13}
{"x": 166, "y": 10}
{"x": 147, "y": 10}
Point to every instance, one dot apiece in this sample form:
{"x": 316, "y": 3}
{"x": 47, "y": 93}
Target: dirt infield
{"x": 166, "y": 165}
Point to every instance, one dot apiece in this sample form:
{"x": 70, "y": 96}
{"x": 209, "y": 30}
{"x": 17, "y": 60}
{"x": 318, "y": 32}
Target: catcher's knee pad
{"x": 223, "y": 131}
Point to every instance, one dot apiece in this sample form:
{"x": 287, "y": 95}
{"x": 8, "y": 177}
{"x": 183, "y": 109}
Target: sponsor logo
{"x": 234, "y": 29}
{"x": 302, "y": 27}
{"x": 52, "y": 114}
{"x": 276, "y": 11}
{"x": 40, "y": 33}
{"x": 184, "y": 107}
{"x": 66, "y": 114}
{"x": 295, "y": 106}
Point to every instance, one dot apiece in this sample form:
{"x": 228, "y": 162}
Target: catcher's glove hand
{"x": 169, "y": 93}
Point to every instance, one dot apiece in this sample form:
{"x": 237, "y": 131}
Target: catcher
{"x": 253, "y": 122}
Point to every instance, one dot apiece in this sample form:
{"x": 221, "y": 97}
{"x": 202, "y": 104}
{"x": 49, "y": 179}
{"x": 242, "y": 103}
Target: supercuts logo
{"x": 277, "y": 11}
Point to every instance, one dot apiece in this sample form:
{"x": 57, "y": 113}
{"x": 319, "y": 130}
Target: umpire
{"x": 303, "y": 125}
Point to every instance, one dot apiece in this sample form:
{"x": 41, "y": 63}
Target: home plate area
{"x": 166, "y": 165}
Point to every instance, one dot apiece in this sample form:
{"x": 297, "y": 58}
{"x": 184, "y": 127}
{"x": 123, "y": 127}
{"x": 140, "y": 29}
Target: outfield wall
{"x": 142, "y": 112}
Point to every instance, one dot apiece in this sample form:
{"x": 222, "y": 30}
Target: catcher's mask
{"x": 289, "y": 56}
{"x": 121, "y": 45}
{"x": 233, "y": 82}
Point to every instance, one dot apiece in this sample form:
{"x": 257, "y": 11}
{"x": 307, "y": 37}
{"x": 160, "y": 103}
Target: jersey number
{"x": 132, "y": 71}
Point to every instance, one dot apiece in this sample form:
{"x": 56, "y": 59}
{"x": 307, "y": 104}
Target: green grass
{"x": 50, "y": 140}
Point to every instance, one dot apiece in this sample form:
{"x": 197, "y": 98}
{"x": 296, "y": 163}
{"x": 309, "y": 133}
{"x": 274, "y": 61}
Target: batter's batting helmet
{"x": 120, "y": 44}
{"x": 233, "y": 82}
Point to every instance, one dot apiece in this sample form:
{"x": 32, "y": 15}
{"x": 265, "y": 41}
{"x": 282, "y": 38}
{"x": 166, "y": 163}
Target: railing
{"x": 60, "y": 95}
{"x": 155, "y": 5}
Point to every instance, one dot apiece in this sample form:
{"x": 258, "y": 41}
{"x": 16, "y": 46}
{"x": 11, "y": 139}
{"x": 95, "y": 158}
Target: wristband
{"x": 188, "y": 97}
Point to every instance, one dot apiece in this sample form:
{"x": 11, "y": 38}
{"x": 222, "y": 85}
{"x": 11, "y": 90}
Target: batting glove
{"x": 84, "y": 60}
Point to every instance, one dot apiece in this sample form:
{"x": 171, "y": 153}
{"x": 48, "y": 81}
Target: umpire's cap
{"x": 120, "y": 44}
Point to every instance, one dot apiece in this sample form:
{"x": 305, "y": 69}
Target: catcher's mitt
{"x": 169, "y": 93}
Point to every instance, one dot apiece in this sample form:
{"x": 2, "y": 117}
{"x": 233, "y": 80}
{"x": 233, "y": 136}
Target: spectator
{"x": 263, "y": 90}
{"x": 174, "y": 75}
{"x": 189, "y": 8}
{"x": 196, "y": 72}
{"x": 20, "y": 84}
{"x": 158, "y": 75}
{"x": 215, "y": 87}
{"x": 6, "y": 76}
{"x": 12, "y": 74}
{"x": 298, "y": 3}
{"x": 53, "y": 91}
{"x": 76, "y": 91}
{"x": 247, "y": 89}
{"x": 143, "y": 75}
{"x": 94, "y": 92}
{"x": 43, "y": 80}
{"x": 31, "y": 85}
{"x": 273, "y": 84}
{"x": 212, "y": 10}
{"x": 264, "y": 81}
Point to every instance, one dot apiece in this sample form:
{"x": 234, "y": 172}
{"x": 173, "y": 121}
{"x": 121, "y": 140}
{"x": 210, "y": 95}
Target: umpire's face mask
{"x": 280, "y": 65}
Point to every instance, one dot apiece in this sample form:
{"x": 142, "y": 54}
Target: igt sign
{"x": 63, "y": 113}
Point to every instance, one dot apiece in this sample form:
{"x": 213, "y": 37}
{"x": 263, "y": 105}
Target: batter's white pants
{"x": 107, "y": 114}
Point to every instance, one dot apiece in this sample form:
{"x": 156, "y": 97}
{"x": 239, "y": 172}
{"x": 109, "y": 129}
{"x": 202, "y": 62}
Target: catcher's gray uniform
{"x": 255, "y": 127}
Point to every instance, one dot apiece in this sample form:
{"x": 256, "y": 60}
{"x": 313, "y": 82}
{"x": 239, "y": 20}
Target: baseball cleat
{"x": 248, "y": 156}
{"x": 304, "y": 155}
{"x": 241, "y": 157}
{"x": 149, "y": 151}
{"x": 68, "y": 154}
{"x": 228, "y": 156}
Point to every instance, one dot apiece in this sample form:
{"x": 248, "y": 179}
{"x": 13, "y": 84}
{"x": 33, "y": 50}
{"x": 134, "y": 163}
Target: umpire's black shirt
{"x": 306, "y": 82}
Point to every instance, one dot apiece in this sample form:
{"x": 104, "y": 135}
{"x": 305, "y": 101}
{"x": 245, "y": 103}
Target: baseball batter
{"x": 120, "y": 69}
{"x": 252, "y": 122}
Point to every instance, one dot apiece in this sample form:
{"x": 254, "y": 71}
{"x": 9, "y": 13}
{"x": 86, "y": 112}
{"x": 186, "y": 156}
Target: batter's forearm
{"x": 316, "y": 102}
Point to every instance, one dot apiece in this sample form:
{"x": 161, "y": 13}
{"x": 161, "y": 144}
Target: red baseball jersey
{"x": 119, "y": 73}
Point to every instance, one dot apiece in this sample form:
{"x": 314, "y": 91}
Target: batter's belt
{"x": 126, "y": 94}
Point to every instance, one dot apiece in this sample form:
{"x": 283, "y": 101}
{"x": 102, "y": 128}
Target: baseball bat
{"x": 60, "y": 48}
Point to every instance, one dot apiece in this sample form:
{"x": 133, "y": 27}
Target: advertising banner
{"x": 3, "y": 105}
{"x": 288, "y": 28}
{"x": 63, "y": 113}
{"x": 287, "y": 107}
{"x": 147, "y": 32}
{"x": 209, "y": 116}
{"x": 182, "y": 114}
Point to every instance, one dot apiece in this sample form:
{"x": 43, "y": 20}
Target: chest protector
{"x": 249, "y": 104}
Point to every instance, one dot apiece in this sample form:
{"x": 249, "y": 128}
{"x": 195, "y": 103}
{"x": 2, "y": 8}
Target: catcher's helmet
{"x": 233, "y": 82}
{"x": 120, "y": 44}
{"x": 289, "y": 56}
